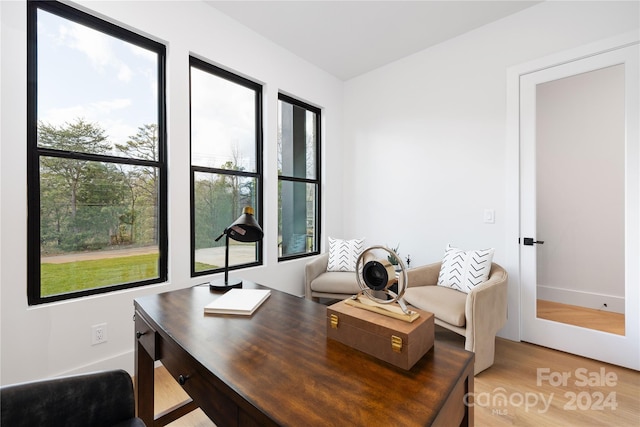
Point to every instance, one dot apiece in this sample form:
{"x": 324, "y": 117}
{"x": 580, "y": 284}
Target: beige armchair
{"x": 320, "y": 283}
{"x": 477, "y": 316}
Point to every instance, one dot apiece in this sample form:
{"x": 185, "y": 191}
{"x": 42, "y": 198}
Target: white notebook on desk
{"x": 238, "y": 301}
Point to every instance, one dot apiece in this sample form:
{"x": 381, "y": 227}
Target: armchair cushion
{"x": 464, "y": 270}
{"x": 338, "y": 282}
{"x": 343, "y": 254}
{"x": 445, "y": 303}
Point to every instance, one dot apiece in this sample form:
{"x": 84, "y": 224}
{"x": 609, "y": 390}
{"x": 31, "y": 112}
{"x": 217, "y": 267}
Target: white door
{"x": 579, "y": 211}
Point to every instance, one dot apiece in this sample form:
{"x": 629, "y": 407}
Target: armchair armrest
{"x": 486, "y": 309}
{"x": 425, "y": 275}
{"x": 312, "y": 270}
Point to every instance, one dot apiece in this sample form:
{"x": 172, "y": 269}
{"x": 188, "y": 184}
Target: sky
{"x": 222, "y": 121}
{"x": 83, "y": 73}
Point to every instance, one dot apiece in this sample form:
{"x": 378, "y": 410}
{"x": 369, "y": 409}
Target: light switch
{"x": 489, "y": 216}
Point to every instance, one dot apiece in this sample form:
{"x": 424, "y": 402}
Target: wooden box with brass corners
{"x": 395, "y": 341}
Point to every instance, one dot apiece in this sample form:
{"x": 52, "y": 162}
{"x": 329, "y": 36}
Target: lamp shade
{"x": 245, "y": 228}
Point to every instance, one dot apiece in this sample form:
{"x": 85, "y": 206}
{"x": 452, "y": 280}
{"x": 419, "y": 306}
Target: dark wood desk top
{"x": 280, "y": 362}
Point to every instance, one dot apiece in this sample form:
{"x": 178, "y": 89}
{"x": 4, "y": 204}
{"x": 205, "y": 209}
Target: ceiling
{"x": 349, "y": 38}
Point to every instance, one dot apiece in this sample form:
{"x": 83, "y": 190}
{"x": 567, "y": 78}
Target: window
{"x": 226, "y": 164}
{"x": 96, "y": 143}
{"x": 298, "y": 178}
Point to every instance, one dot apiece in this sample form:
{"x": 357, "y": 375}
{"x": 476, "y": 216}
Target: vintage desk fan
{"x": 381, "y": 286}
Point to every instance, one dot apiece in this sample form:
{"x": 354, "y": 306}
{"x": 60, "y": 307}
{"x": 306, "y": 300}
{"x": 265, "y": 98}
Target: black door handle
{"x": 528, "y": 241}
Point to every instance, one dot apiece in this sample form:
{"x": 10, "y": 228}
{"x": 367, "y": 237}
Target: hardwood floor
{"x": 600, "y": 320}
{"x": 524, "y": 387}
{"x": 169, "y": 393}
{"x": 530, "y": 376}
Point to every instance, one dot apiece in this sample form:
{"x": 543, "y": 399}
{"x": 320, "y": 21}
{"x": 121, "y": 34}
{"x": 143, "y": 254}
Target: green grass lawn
{"x": 79, "y": 275}
{"x": 201, "y": 266}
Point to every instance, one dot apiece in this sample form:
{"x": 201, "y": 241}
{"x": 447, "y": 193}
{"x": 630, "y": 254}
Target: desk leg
{"x": 469, "y": 419}
{"x": 144, "y": 381}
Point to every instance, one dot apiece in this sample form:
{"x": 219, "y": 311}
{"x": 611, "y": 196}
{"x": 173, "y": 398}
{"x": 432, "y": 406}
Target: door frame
{"x": 513, "y": 329}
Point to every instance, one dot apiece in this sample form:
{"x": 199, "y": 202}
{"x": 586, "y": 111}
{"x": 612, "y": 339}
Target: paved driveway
{"x": 238, "y": 254}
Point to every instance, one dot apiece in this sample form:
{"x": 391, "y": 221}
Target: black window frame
{"x": 205, "y": 66}
{"x": 318, "y": 178}
{"x": 34, "y": 295}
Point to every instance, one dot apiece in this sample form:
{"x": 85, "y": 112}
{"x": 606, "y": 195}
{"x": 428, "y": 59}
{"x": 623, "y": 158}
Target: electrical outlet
{"x": 98, "y": 334}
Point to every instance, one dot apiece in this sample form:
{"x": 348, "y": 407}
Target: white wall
{"x": 425, "y": 137}
{"x": 423, "y": 144}
{"x": 55, "y": 338}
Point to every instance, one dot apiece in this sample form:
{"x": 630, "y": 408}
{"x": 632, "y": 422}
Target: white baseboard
{"x": 124, "y": 361}
{"x": 583, "y": 299}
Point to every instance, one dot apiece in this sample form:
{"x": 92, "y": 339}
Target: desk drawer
{"x": 187, "y": 372}
{"x": 147, "y": 336}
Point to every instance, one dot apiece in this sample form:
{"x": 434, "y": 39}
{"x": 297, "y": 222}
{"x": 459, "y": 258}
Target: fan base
{"x": 392, "y": 310}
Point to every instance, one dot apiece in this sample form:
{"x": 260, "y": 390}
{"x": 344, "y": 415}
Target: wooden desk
{"x": 278, "y": 368}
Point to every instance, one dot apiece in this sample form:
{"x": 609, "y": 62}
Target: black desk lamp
{"x": 244, "y": 229}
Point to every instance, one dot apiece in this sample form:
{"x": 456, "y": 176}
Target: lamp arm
{"x": 220, "y": 236}
{"x": 226, "y": 260}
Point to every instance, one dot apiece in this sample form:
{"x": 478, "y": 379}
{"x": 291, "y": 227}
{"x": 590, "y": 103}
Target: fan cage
{"x": 382, "y": 255}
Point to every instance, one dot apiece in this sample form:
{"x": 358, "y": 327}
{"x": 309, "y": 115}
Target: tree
{"x": 142, "y": 181}
{"x": 54, "y": 208}
{"x": 79, "y": 136}
{"x": 81, "y": 201}
{"x": 219, "y": 199}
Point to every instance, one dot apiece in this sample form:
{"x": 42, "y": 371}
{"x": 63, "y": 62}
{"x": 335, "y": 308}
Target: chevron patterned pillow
{"x": 343, "y": 254}
{"x": 464, "y": 270}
